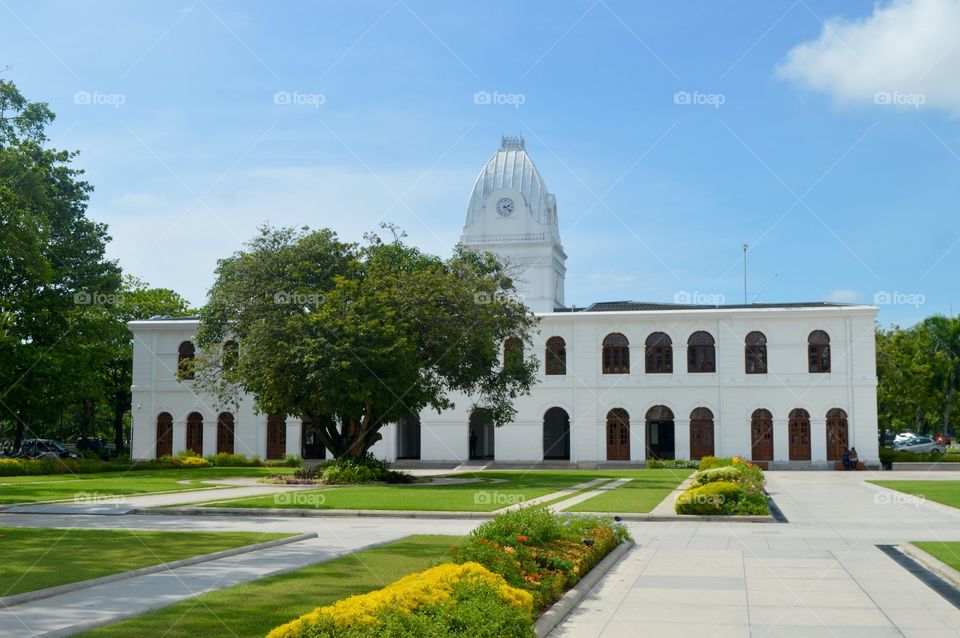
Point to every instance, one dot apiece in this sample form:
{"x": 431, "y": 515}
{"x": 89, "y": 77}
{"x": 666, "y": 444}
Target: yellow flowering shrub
{"x": 429, "y": 587}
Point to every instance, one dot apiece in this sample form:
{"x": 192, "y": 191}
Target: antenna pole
{"x": 745, "y": 246}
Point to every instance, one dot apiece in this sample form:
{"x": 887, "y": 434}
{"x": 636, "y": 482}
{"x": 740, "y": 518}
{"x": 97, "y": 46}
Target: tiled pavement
{"x": 821, "y": 574}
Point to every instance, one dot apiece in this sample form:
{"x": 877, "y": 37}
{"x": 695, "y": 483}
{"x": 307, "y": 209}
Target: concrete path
{"x": 567, "y": 491}
{"x": 579, "y": 498}
{"x": 819, "y": 574}
{"x": 72, "y": 612}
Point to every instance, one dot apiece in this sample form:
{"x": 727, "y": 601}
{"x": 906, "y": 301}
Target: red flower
{"x": 521, "y": 538}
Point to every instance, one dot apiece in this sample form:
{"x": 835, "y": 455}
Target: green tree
{"x": 354, "y": 337}
{"x": 53, "y": 272}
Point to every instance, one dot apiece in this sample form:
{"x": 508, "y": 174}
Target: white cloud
{"x": 905, "y": 54}
{"x": 844, "y": 296}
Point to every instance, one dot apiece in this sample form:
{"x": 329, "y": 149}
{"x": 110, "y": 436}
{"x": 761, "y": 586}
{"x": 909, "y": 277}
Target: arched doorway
{"x": 556, "y": 434}
{"x": 480, "y": 435}
{"x": 195, "y": 433}
{"x": 312, "y": 447}
{"x": 761, "y": 435}
{"x": 838, "y": 439}
{"x": 164, "y": 434}
{"x": 701, "y": 433}
{"x": 226, "y": 432}
{"x": 799, "y": 431}
{"x": 408, "y": 437}
{"x": 276, "y": 437}
{"x": 618, "y": 435}
{"x": 660, "y": 435}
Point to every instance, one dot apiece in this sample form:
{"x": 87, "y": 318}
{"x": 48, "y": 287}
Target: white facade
{"x": 525, "y": 232}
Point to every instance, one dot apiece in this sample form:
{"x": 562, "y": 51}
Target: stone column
{"x": 681, "y": 438}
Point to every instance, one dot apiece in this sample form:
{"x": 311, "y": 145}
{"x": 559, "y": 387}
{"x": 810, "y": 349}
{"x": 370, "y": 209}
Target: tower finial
{"x": 511, "y": 143}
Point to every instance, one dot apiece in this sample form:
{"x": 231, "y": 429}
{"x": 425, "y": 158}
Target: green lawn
{"x": 38, "y": 558}
{"x": 638, "y": 496}
{"x": 948, "y": 552}
{"x": 253, "y": 609}
{"x": 489, "y": 495}
{"x": 29, "y": 489}
{"x": 946, "y": 492}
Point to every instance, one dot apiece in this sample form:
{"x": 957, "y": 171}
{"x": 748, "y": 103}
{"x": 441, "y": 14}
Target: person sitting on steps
{"x": 846, "y": 458}
{"x": 854, "y": 459}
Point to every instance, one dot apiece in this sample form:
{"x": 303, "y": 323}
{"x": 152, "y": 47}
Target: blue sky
{"x": 823, "y": 134}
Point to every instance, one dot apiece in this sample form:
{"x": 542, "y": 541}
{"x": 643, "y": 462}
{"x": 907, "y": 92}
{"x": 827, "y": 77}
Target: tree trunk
{"x": 946, "y": 409}
{"x": 118, "y": 410}
{"x": 21, "y": 426}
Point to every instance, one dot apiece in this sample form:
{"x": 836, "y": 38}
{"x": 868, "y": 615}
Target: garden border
{"x": 7, "y": 602}
{"x": 931, "y": 563}
{"x": 553, "y": 616}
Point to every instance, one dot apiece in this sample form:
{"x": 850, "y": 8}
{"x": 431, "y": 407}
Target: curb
{"x": 549, "y": 620}
{"x": 932, "y": 563}
{"x": 18, "y": 599}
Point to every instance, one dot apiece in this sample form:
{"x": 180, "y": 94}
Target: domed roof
{"x": 511, "y": 167}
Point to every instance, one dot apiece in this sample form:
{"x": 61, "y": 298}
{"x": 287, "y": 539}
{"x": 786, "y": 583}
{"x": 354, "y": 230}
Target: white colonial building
{"x": 788, "y": 384}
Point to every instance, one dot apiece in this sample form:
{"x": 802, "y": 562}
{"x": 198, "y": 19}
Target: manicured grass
{"x": 38, "y": 558}
{"x": 29, "y": 489}
{"x": 253, "y": 609}
{"x": 640, "y": 495}
{"x": 946, "y": 492}
{"x": 497, "y": 489}
{"x": 948, "y": 552}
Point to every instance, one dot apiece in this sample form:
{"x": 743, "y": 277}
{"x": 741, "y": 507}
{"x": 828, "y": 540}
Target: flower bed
{"x": 181, "y": 461}
{"x": 725, "y": 487}
{"x": 344, "y": 471}
{"x": 508, "y": 571}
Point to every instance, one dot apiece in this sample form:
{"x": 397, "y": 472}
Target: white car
{"x": 903, "y": 436}
{"x": 918, "y": 444}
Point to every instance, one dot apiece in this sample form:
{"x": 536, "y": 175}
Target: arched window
{"x": 231, "y": 354}
{"x": 659, "y": 353}
{"x": 512, "y": 352}
{"x": 701, "y": 356}
{"x": 185, "y": 354}
{"x": 616, "y": 354}
{"x": 556, "y": 356}
{"x": 226, "y": 432}
{"x": 755, "y": 353}
{"x": 818, "y": 351}
{"x": 761, "y": 435}
{"x": 195, "y": 433}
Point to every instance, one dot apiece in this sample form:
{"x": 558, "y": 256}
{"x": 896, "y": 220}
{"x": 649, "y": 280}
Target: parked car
{"x": 918, "y": 444}
{"x": 44, "y": 449}
{"x": 906, "y": 435}
{"x": 93, "y": 444}
{"x": 943, "y": 439}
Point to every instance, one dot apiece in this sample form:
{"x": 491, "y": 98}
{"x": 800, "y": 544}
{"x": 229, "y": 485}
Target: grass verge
{"x": 945, "y": 492}
{"x": 948, "y": 552}
{"x": 35, "y": 558}
{"x": 254, "y": 608}
{"x": 638, "y": 496}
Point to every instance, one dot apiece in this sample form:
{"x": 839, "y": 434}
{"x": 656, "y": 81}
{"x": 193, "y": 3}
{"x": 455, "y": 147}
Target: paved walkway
{"x": 819, "y": 574}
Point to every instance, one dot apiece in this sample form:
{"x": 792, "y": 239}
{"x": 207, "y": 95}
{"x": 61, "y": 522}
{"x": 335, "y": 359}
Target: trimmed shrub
{"x": 344, "y": 471}
{"x": 718, "y": 497}
{"x": 233, "y": 460}
{"x": 725, "y": 486}
{"x": 672, "y": 464}
{"x": 711, "y": 462}
{"x": 437, "y": 594}
{"x": 290, "y": 460}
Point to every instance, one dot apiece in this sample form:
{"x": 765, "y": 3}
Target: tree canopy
{"x": 353, "y": 337}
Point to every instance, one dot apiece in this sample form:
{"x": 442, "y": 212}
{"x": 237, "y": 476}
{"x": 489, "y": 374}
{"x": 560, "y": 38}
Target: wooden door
{"x": 761, "y": 436}
{"x": 195, "y": 433}
{"x": 799, "y": 433}
{"x": 618, "y": 435}
{"x": 837, "y": 436}
{"x": 701, "y": 434}
{"x": 225, "y": 434}
{"x": 164, "y": 435}
{"x": 276, "y": 437}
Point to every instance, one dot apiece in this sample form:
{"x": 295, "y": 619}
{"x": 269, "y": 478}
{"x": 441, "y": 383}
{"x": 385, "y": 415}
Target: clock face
{"x": 505, "y": 207}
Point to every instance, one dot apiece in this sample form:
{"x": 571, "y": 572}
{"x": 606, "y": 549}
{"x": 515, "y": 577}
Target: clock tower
{"x": 513, "y": 215}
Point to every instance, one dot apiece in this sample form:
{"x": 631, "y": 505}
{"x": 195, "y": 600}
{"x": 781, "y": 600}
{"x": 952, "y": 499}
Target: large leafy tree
{"x": 53, "y": 272}
{"x": 355, "y": 337}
